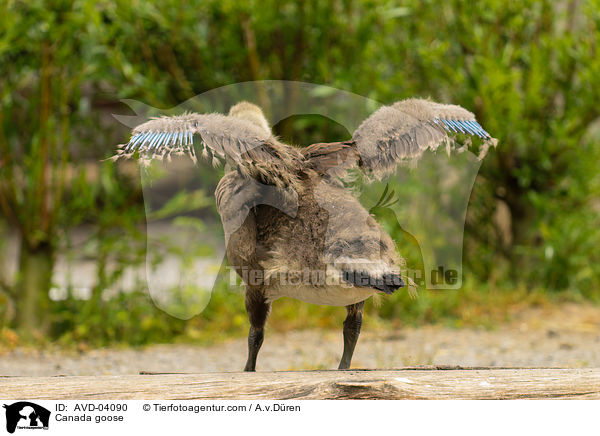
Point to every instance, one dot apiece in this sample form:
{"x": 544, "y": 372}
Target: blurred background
{"x": 73, "y": 225}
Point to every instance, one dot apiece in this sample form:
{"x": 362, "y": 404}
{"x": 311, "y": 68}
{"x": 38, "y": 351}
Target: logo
{"x": 26, "y": 415}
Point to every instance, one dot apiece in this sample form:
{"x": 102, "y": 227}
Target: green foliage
{"x": 527, "y": 69}
{"x": 180, "y": 203}
{"x": 128, "y": 318}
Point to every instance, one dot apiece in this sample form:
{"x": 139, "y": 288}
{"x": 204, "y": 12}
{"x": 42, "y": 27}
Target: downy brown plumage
{"x": 291, "y": 228}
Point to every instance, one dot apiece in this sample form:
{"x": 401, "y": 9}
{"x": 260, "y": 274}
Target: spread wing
{"x": 399, "y": 135}
{"x": 254, "y": 151}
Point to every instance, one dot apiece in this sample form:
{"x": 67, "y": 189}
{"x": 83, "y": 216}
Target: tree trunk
{"x": 32, "y": 299}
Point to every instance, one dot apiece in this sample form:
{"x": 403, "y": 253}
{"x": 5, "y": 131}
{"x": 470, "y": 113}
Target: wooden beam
{"x": 416, "y": 383}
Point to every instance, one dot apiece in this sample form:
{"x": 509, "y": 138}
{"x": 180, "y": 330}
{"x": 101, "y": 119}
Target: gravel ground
{"x": 565, "y": 336}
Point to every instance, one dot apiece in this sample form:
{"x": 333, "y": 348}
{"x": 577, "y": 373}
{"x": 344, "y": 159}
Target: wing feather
{"x": 401, "y": 133}
{"x": 250, "y": 148}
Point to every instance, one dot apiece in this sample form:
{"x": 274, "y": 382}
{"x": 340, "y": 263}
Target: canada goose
{"x": 291, "y": 227}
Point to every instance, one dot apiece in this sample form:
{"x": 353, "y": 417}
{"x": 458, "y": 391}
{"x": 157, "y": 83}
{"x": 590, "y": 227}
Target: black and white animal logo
{"x": 26, "y": 415}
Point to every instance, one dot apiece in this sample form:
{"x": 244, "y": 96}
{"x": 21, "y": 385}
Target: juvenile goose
{"x": 291, "y": 227}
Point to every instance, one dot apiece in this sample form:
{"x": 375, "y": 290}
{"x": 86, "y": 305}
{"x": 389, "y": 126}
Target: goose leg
{"x": 258, "y": 311}
{"x": 352, "y": 325}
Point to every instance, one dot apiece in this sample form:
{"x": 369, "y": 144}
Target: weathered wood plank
{"x": 419, "y": 383}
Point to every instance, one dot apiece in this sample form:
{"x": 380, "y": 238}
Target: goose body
{"x": 309, "y": 249}
{"x": 291, "y": 227}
